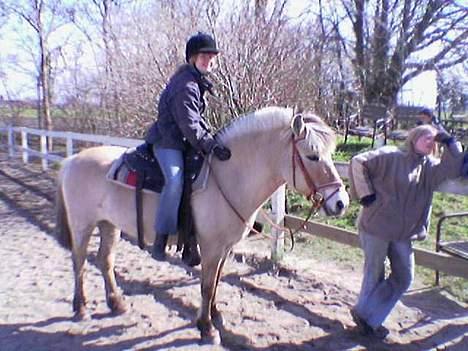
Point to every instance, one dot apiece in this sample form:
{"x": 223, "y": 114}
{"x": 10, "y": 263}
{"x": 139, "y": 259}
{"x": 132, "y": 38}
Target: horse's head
{"x": 313, "y": 171}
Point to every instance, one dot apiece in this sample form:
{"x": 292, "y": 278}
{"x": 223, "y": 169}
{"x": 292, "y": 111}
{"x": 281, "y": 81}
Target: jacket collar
{"x": 202, "y": 79}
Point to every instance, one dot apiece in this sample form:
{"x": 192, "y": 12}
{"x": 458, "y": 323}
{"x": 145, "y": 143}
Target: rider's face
{"x": 205, "y": 61}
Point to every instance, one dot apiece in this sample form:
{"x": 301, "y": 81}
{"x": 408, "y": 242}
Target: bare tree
{"x": 273, "y": 60}
{"x": 394, "y": 41}
{"x": 44, "y": 18}
{"x": 453, "y": 90}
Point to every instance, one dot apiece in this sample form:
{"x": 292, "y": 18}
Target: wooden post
{"x": 24, "y": 145}
{"x": 278, "y": 211}
{"x": 44, "y": 151}
{"x": 11, "y": 142}
{"x": 69, "y": 146}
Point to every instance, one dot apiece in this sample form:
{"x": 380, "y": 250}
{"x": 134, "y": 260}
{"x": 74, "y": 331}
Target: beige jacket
{"x": 403, "y": 183}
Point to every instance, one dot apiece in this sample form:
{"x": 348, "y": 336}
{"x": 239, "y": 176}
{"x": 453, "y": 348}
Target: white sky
{"x": 421, "y": 91}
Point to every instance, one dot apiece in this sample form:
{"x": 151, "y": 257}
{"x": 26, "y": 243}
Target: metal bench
{"x": 404, "y": 118}
{"x": 458, "y": 248}
{"x": 371, "y": 121}
{"x": 458, "y": 126}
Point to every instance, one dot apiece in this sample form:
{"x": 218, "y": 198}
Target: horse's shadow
{"x": 230, "y": 339}
{"x": 25, "y": 199}
{"x": 29, "y": 336}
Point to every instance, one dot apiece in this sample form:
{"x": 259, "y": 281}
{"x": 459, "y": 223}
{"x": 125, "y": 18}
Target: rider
{"x": 181, "y": 125}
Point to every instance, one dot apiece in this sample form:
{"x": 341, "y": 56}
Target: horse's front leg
{"x": 106, "y": 257}
{"x": 216, "y": 316}
{"x": 210, "y": 270}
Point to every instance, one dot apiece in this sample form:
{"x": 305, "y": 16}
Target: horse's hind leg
{"x": 110, "y": 236}
{"x": 79, "y": 252}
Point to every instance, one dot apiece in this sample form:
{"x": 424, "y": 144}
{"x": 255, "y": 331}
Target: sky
{"x": 420, "y": 91}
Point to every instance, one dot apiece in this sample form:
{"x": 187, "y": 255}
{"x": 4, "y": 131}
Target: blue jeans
{"x": 379, "y": 294}
{"x": 171, "y": 162}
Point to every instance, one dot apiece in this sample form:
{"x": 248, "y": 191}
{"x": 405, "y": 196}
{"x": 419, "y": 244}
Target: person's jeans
{"x": 379, "y": 294}
{"x": 171, "y": 162}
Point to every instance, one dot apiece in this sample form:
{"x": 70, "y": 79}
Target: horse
{"x": 270, "y": 147}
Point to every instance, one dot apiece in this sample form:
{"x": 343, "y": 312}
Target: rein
{"x": 314, "y": 195}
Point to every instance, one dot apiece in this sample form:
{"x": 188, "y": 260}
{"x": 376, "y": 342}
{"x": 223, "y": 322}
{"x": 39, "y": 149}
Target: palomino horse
{"x": 269, "y": 147}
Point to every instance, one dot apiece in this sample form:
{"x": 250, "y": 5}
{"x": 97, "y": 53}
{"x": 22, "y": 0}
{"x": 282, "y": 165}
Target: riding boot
{"x": 159, "y": 247}
{"x": 191, "y": 254}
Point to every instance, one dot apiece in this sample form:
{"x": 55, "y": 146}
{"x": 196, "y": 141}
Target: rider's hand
{"x": 222, "y": 152}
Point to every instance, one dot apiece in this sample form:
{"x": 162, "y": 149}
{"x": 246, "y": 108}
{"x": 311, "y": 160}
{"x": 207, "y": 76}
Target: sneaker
{"x": 380, "y": 333}
{"x": 365, "y": 329}
{"x": 361, "y": 324}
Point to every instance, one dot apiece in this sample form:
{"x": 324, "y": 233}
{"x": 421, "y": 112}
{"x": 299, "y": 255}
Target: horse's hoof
{"x": 117, "y": 305}
{"x": 217, "y": 318}
{"x": 120, "y": 309}
{"x": 81, "y": 315}
{"x": 212, "y": 338}
{"x": 208, "y": 334}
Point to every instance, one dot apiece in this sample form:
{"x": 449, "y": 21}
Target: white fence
{"x": 48, "y": 155}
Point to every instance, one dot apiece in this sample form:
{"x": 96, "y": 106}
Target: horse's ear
{"x": 298, "y": 125}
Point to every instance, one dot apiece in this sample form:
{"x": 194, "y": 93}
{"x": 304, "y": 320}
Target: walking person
{"x": 180, "y": 125}
{"x": 395, "y": 188}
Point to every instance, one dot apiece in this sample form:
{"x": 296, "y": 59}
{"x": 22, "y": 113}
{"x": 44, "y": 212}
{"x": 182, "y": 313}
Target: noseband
{"x": 317, "y": 198}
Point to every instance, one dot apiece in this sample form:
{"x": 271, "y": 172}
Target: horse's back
{"x": 103, "y": 155}
{"x": 84, "y": 174}
{"x": 93, "y": 159}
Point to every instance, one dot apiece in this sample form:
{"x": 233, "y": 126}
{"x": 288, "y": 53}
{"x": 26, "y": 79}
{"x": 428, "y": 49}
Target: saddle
{"x": 142, "y": 171}
{"x": 144, "y": 168}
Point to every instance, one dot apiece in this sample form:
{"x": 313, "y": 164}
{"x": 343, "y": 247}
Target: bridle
{"x": 317, "y": 198}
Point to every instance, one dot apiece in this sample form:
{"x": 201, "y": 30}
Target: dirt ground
{"x": 302, "y": 305}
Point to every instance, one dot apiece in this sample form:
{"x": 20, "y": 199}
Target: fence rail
{"x": 442, "y": 262}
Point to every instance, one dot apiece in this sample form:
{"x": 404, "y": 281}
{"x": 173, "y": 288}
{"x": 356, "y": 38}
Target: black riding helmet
{"x": 200, "y": 42}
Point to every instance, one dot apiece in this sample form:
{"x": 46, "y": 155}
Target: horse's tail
{"x": 62, "y": 228}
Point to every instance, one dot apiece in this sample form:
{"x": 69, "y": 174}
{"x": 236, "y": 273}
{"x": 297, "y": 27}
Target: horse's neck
{"x": 256, "y": 170}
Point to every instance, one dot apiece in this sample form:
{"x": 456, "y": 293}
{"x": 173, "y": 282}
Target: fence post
{"x": 24, "y": 145}
{"x": 44, "y": 152}
{"x": 11, "y": 142}
{"x": 278, "y": 211}
{"x": 69, "y": 146}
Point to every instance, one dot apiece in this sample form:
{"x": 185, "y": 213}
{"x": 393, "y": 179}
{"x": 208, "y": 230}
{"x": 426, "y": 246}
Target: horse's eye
{"x": 313, "y": 158}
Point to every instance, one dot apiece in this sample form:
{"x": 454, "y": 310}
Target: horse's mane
{"x": 320, "y": 137}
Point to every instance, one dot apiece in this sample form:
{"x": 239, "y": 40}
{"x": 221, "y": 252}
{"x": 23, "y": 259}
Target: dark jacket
{"x": 180, "y": 110}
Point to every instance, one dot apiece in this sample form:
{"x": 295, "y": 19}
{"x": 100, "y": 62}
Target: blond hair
{"x": 415, "y": 133}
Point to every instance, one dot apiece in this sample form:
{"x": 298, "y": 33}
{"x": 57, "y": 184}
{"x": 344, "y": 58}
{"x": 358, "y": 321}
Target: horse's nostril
{"x": 340, "y": 205}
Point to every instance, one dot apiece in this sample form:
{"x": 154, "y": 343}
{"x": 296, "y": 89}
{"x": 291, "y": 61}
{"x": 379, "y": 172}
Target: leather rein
{"x": 317, "y": 198}
{"x": 314, "y": 195}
